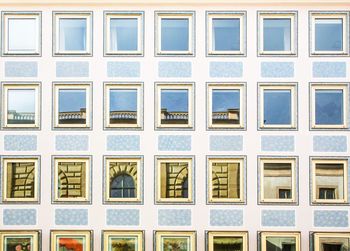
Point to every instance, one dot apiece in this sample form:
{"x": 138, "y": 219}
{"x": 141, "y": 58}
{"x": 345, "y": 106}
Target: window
{"x": 277, "y": 106}
{"x": 123, "y": 105}
{"x": 226, "y": 33}
{"x": 329, "y": 105}
{"x": 332, "y": 241}
{"x": 73, "y": 33}
{"x": 175, "y": 33}
{"x": 175, "y": 240}
{"x": 21, "y": 105}
{"x": 329, "y": 33}
{"x": 174, "y": 177}
{"x": 282, "y": 241}
{"x": 277, "y": 33}
{"x": 67, "y": 240}
{"x": 21, "y": 33}
{"x": 20, "y": 240}
{"x": 72, "y": 105}
{"x": 329, "y": 181}
{"x": 227, "y": 240}
{"x": 123, "y": 240}
{"x": 123, "y": 33}
{"x": 174, "y": 105}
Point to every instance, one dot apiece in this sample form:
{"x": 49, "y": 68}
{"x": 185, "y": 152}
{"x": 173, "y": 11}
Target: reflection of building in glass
{"x": 14, "y": 117}
{"x": 173, "y": 117}
{"x": 231, "y": 116}
{"x": 174, "y": 180}
{"x": 280, "y": 243}
{"x": 223, "y": 243}
{"x": 122, "y": 179}
{"x": 72, "y": 117}
{"x": 329, "y": 181}
{"x": 71, "y": 179}
{"x": 277, "y": 181}
{"x": 20, "y": 179}
{"x": 123, "y": 117}
{"x": 225, "y": 180}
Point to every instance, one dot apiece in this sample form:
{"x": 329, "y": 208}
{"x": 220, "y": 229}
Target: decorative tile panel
{"x": 226, "y": 69}
{"x": 277, "y": 69}
{"x": 277, "y": 143}
{"x": 20, "y": 142}
{"x": 72, "y": 142}
{"x": 19, "y": 217}
{"x": 72, "y": 69}
{"x": 123, "y": 69}
{"x": 175, "y": 69}
{"x": 330, "y": 143}
{"x": 226, "y": 217}
{"x": 123, "y": 217}
{"x": 174, "y": 217}
{"x": 329, "y": 69}
{"x": 78, "y": 217}
{"x": 226, "y": 143}
{"x": 123, "y": 143}
{"x": 331, "y": 218}
{"x": 278, "y": 218}
{"x": 17, "y": 69}
{"x": 174, "y": 142}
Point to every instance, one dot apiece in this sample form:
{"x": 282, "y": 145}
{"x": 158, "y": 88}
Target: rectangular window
{"x": 123, "y": 33}
{"x": 123, "y": 239}
{"x": 24, "y": 239}
{"x": 331, "y": 241}
{"x": 284, "y": 241}
{"x": 21, "y": 105}
{"x": 73, "y": 33}
{"x": 226, "y": 33}
{"x": 181, "y": 240}
{"x": 277, "y": 33}
{"x": 329, "y": 181}
{"x": 175, "y": 33}
{"x": 71, "y": 240}
{"x": 329, "y": 33}
{"x": 227, "y": 240}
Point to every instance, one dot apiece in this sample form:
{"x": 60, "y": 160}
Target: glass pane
{"x": 174, "y": 180}
{"x": 277, "y": 34}
{"x": 22, "y": 34}
{"x": 174, "y": 106}
{"x": 277, "y": 107}
{"x": 123, "y": 106}
{"x": 72, "y": 34}
{"x": 175, "y": 34}
{"x": 277, "y": 181}
{"x": 123, "y": 34}
{"x": 226, "y": 180}
{"x": 225, "y": 106}
{"x": 20, "y": 106}
{"x": 334, "y": 244}
{"x": 329, "y": 107}
{"x": 280, "y": 244}
{"x": 330, "y": 181}
{"x": 72, "y": 106}
{"x": 223, "y": 243}
{"x": 329, "y": 34}
{"x": 226, "y": 34}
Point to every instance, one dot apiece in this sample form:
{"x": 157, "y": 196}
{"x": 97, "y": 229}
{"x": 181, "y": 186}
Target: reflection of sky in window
{"x": 226, "y": 34}
{"x": 224, "y": 100}
{"x": 123, "y": 34}
{"x": 329, "y": 34}
{"x": 22, "y": 34}
{"x": 174, "y": 34}
{"x": 21, "y": 100}
{"x": 72, "y": 34}
{"x": 329, "y": 107}
{"x": 123, "y": 100}
{"x": 277, "y": 32}
{"x": 174, "y": 100}
{"x": 71, "y": 100}
{"x": 277, "y": 107}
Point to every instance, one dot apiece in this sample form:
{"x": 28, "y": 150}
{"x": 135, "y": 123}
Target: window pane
{"x": 226, "y": 180}
{"x": 329, "y": 107}
{"x": 226, "y": 34}
{"x": 174, "y": 106}
{"x": 329, "y": 34}
{"x": 277, "y": 107}
{"x": 72, "y": 34}
{"x": 174, "y": 180}
{"x": 175, "y": 34}
{"x": 223, "y": 243}
{"x": 123, "y": 106}
{"x": 277, "y": 180}
{"x": 330, "y": 181}
{"x": 225, "y": 106}
{"x": 334, "y": 244}
{"x": 277, "y": 34}
{"x": 21, "y": 106}
{"x": 72, "y": 106}
{"x": 280, "y": 244}
{"x": 123, "y": 34}
{"x": 22, "y": 34}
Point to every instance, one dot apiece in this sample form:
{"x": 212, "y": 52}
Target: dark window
{"x": 327, "y": 193}
{"x": 284, "y": 194}
{"x": 185, "y": 188}
{"x": 332, "y": 247}
{"x": 123, "y": 186}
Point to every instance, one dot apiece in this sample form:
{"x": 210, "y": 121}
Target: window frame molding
{"x": 87, "y": 234}
{"x": 107, "y": 234}
{"x": 317, "y": 235}
{"x": 209, "y": 237}
{"x": 263, "y": 235}
{"x": 159, "y": 234}
{"x": 35, "y": 235}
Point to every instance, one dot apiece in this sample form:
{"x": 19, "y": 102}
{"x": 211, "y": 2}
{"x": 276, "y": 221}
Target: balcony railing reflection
{"x": 173, "y": 117}
{"x": 123, "y": 117}
{"x": 231, "y": 116}
{"x": 14, "y": 117}
{"x": 72, "y": 117}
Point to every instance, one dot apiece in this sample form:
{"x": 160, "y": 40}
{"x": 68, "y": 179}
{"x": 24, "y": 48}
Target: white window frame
{"x": 56, "y": 32}
{"x": 72, "y": 86}
{"x": 6, "y": 86}
{"x": 327, "y": 15}
{"x": 210, "y": 235}
{"x": 34, "y": 235}
{"x": 344, "y": 162}
{"x": 293, "y": 36}
{"x": 329, "y": 86}
{"x": 140, "y": 36}
{"x": 20, "y": 15}
{"x": 174, "y": 86}
{"x": 318, "y": 235}
{"x": 265, "y": 235}
{"x": 236, "y": 15}
{"x": 292, "y": 87}
{"x": 158, "y": 32}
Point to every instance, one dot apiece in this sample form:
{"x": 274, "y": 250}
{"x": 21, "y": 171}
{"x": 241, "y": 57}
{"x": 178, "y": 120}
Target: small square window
{"x": 280, "y": 241}
{"x": 277, "y": 180}
{"x": 21, "y": 105}
{"x": 331, "y": 241}
{"x": 174, "y": 105}
{"x": 175, "y": 33}
{"x": 329, "y": 33}
{"x": 114, "y": 240}
{"x": 23, "y": 239}
{"x": 329, "y": 181}
{"x": 180, "y": 240}
{"x": 71, "y": 240}
{"x": 73, "y": 33}
{"x": 227, "y": 240}
{"x": 277, "y": 106}
{"x": 277, "y": 33}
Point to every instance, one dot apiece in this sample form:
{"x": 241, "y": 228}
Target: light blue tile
{"x": 72, "y": 142}
{"x": 277, "y": 143}
{"x": 123, "y": 69}
{"x": 175, "y": 69}
{"x": 330, "y": 143}
{"x": 278, "y": 218}
{"x": 123, "y": 217}
{"x": 226, "y": 143}
{"x": 20, "y": 142}
{"x": 19, "y": 217}
{"x": 277, "y": 69}
{"x": 123, "y": 143}
{"x": 331, "y": 218}
{"x": 72, "y": 69}
{"x": 226, "y": 217}
{"x": 174, "y": 217}
{"x": 77, "y": 217}
{"x": 226, "y": 69}
{"x": 329, "y": 69}
{"x": 174, "y": 142}
{"x": 21, "y": 69}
